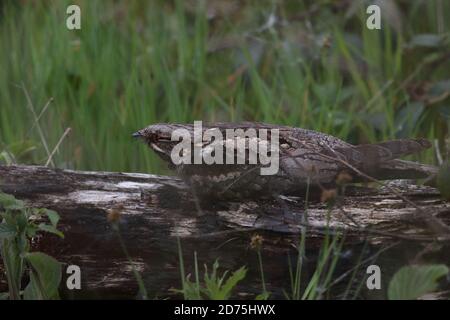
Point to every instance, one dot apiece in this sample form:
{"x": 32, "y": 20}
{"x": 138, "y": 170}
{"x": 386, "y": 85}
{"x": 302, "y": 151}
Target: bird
{"x": 306, "y": 158}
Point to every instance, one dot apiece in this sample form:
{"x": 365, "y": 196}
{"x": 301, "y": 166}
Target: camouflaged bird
{"x": 306, "y": 157}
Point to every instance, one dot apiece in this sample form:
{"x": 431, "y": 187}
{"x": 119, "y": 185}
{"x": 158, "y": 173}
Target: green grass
{"x": 135, "y": 63}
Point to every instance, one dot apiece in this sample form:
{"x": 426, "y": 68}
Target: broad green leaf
{"x": 32, "y": 291}
{"x": 412, "y": 282}
{"x": 48, "y": 275}
{"x": 14, "y": 266}
{"x": 31, "y": 230}
{"x": 232, "y": 281}
{"x": 50, "y": 229}
{"x": 6, "y": 231}
{"x": 22, "y": 220}
{"x": 52, "y": 216}
{"x": 8, "y": 202}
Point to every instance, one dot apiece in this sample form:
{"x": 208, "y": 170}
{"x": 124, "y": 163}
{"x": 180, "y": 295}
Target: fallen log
{"x": 156, "y": 210}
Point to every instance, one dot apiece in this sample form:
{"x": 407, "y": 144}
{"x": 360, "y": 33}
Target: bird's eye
{"x": 154, "y": 137}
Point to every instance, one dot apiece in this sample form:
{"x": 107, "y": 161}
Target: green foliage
{"x": 17, "y": 152}
{"x": 220, "y": 287}
{"x": 18, "y": 225}
{"x": 215, "y": 287}
{"x": 412, "y": 282}
{"x": 265, "y": 294}
{"x": 134, "y": 63}
{"x": 45, "y": 276}
{"x": 317, "y": 285}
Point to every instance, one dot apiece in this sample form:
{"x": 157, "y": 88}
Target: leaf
{"x": 217, "y": 291}
{"x": 6, "y": 231}
{"x": 52, "y": 216}
{"x": 412, "y": 282}
{"x": 8, "y": 158}
{"x": 8, "y": 202}
{"x": 50, "y": 229}
{"x": 263, "y": 296}
{"x": 31, "y": 230}
{"x": 232, "y": 281}
{"x": 46, "y": 276}
{"x": 22, "y": 150}
{"x": 189, "y": 290}
{"x": 217, "y": 288}
{"x": 212, "y": 284}
{"x": 14, "y": 266}
{"x": 32, "y": 291}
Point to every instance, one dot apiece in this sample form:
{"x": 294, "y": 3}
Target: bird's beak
{"x": 136, "y": 135}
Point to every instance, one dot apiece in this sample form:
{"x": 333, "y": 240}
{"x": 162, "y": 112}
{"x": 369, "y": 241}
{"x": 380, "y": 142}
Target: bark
{"x": 155, "y": 211}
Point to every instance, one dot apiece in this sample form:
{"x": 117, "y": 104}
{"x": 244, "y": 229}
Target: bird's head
{"x": 159, "y": 137}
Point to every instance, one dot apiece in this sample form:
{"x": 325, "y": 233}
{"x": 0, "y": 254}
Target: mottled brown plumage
{"x": 306, "y": 157}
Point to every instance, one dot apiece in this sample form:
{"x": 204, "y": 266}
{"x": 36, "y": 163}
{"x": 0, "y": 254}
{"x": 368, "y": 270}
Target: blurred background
{"x": 310, "y": 64}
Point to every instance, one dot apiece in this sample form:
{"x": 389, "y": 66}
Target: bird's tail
{"x": 380, "y": 160}
{"x": 403, "y": 147}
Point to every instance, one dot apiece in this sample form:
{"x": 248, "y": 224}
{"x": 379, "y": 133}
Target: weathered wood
{"x": 155, "y": 210}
